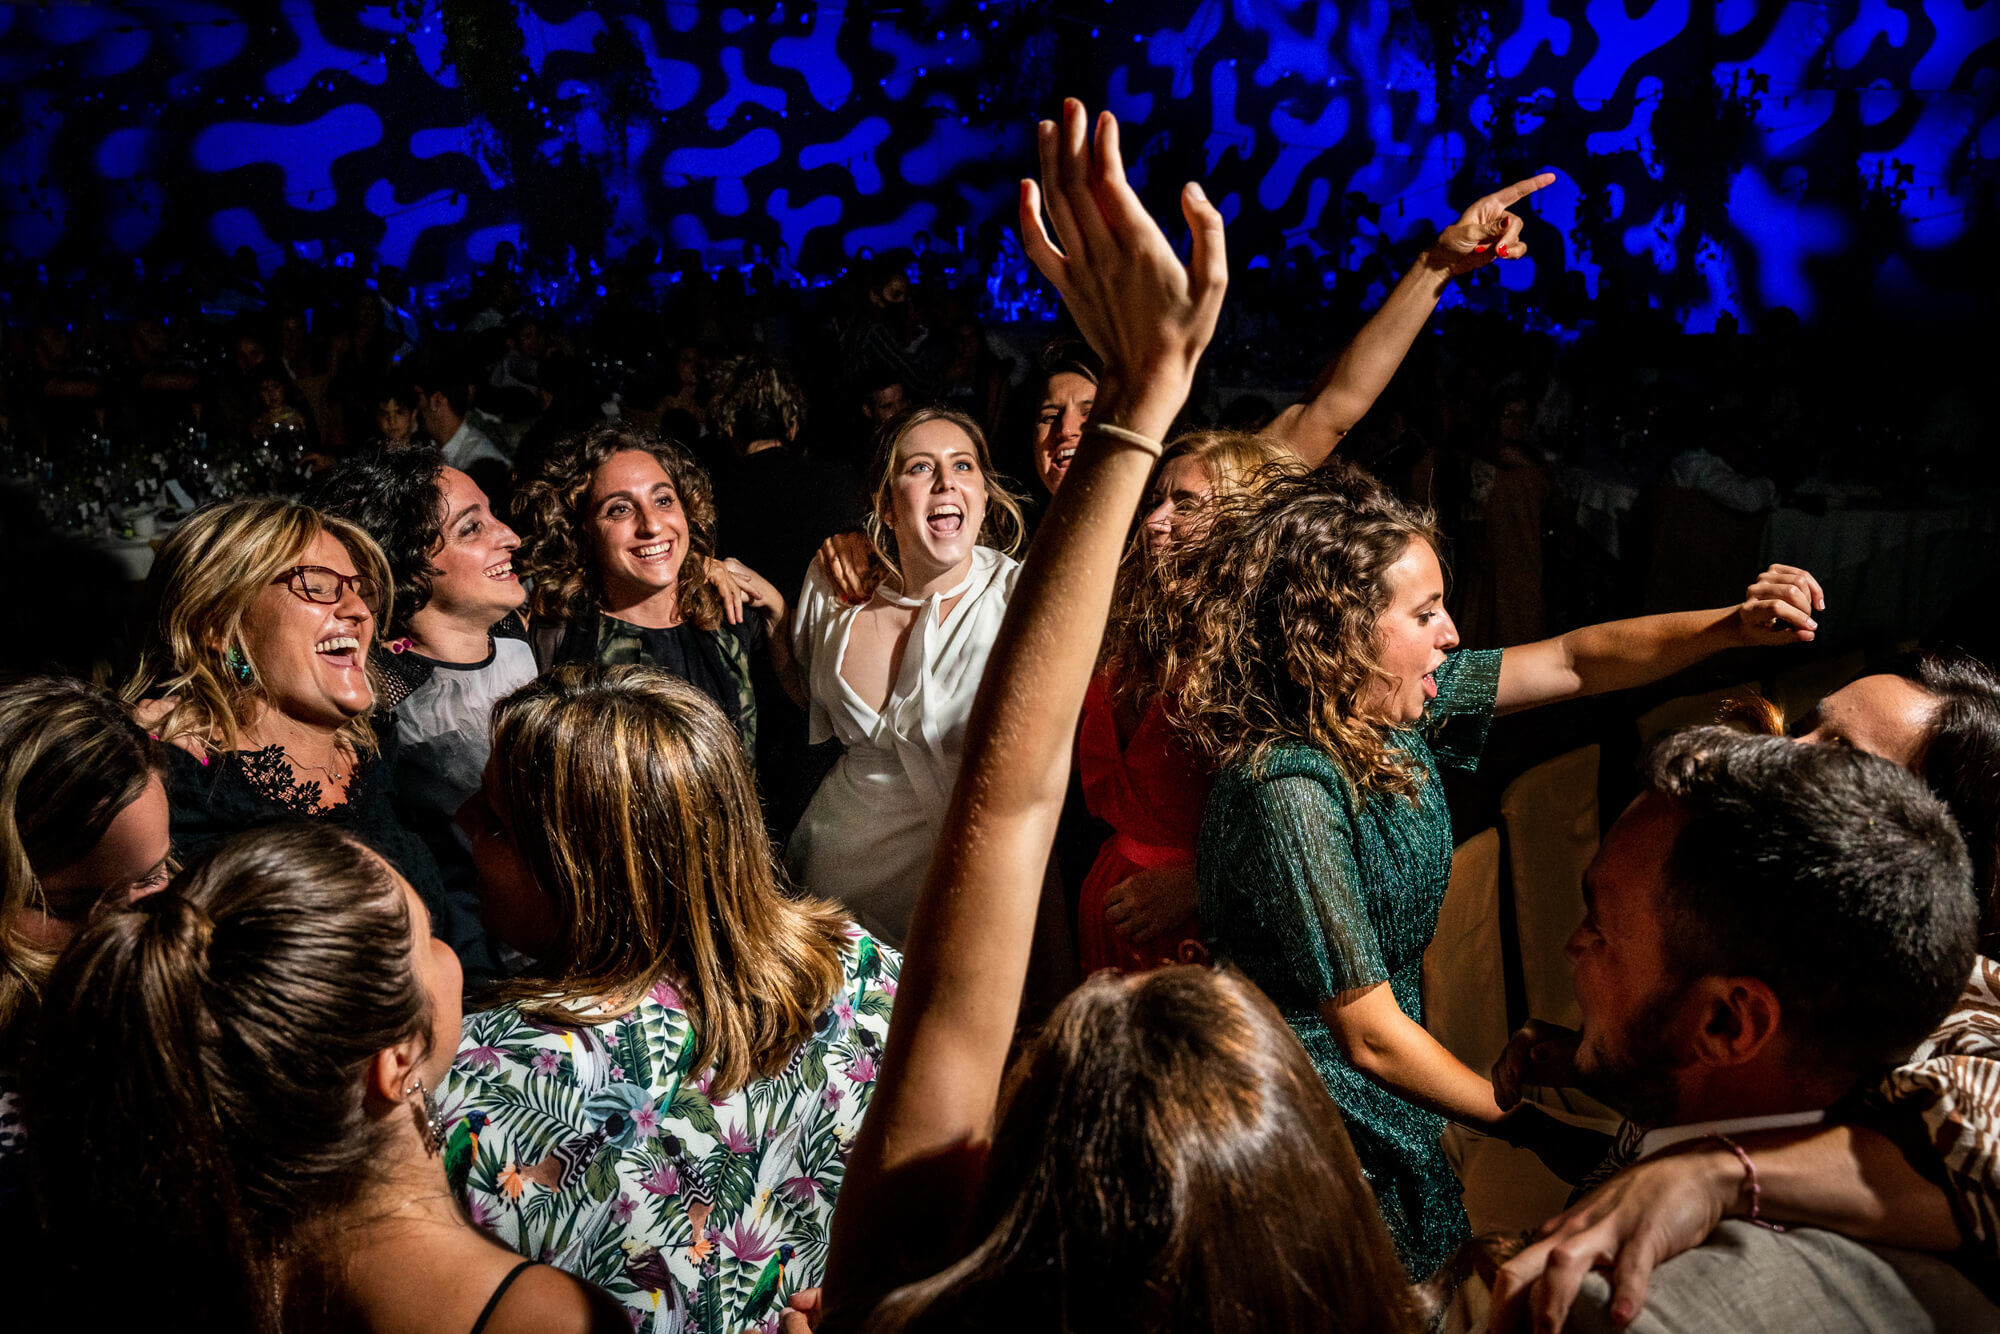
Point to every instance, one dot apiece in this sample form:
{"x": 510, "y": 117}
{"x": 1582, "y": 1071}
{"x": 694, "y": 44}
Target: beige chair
{"x": 1465, "y": 977}
{"x": 1550, "y": 813}
{"x": 1688, "y": 711}
{"x": 1465, "y": 1008}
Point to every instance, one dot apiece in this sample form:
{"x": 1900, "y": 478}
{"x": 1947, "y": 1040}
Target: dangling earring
{"x": 238, "y": 664}
{"x": 430, "y": 1120}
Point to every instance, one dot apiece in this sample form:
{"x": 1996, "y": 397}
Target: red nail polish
{"x": 1479, "y": 250}
{"x": 1500, "y": 251}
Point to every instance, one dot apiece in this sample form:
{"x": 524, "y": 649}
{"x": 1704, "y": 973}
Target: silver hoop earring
{"x": 430, "y": 1119}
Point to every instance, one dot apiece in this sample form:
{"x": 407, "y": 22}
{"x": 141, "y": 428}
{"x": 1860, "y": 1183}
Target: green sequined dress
{"x": 1311, "y": 893}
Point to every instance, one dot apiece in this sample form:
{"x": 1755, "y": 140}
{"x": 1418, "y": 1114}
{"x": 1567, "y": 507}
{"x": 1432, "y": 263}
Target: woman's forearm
{"x": 1396, "y": 1052}
{"x": 919, "y": 1156}
{"x": 1844, "y": 1179}
{"x": 785, "y": 663}
{"x": 1616, "y": 655}
{"x": 1344, "y": 391}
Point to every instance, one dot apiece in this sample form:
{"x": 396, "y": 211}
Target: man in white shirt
{"x": 444, "y": 404}
{"x": 1766, "y": 926}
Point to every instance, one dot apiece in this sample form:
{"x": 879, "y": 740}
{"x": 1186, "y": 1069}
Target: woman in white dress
{"x": 894, "y": 677}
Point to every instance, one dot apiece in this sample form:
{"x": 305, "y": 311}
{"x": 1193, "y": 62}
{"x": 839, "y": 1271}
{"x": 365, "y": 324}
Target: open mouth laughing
{"x": 342, "y": 651}
{"x": 654, "y": 553}
{"x": 947, "y": 520}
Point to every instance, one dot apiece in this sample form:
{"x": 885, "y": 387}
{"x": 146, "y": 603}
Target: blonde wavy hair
{"x": 628, "y": 798}
{"x": 1002, "y": 528}
{"x": 1237, "y": 462}
{"x": 558, "y": 554}
{"x": 203, "y": 583}
{"x": 1261, "y": 631}
{"x": 71, "y": 761}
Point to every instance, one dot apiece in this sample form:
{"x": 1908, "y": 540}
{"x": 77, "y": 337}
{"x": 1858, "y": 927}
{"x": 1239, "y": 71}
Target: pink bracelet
{"x": 1750, "y": 1171}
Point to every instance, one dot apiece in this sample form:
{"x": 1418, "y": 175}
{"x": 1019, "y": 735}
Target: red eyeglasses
{"x": 316, "y": 583}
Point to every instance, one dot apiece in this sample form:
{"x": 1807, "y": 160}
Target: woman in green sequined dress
{"x": 1316, "y": 667}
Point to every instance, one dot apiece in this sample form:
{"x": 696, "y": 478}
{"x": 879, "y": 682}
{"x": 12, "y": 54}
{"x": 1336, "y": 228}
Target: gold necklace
{"x": 327, "y": 769}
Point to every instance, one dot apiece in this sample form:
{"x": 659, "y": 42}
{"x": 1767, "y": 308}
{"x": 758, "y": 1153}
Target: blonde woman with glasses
{"x": 259, "y": 615}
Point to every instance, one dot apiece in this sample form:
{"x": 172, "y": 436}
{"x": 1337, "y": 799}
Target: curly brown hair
{"x": 1261, "y": 631}
{"x": 557, "y": 553}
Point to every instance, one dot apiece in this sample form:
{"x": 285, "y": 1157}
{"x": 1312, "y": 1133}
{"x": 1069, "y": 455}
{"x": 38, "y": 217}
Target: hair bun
{"x": 178, "y": 925}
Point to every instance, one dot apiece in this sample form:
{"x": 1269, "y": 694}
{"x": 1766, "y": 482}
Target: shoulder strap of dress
{"x": 494, "y": 1301}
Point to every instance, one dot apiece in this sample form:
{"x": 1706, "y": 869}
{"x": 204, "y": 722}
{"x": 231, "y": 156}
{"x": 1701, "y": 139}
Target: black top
{"x": 243, "y": 789}
{"x": 716, "y": 662}
{"x": 773, "y": 509}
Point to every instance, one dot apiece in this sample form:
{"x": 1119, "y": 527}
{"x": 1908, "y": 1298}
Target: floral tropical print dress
{"x": 598, "y": 1149}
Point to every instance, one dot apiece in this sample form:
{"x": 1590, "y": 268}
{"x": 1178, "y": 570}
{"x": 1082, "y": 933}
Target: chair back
{"x": 1464, "y": 973}
{"x": 1551, "y": 818}
{"x": 1689, "y": 711}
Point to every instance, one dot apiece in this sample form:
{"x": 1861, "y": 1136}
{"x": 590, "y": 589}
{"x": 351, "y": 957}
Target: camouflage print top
{"x": 716, "y": 662}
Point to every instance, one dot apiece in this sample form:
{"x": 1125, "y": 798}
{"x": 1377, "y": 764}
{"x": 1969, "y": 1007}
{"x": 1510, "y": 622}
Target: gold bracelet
{"x": 1132, "y": 438}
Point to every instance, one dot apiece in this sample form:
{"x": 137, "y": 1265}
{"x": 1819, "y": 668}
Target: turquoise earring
{"x": 238, "y": 664}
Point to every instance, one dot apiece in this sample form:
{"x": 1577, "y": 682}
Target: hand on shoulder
{"x": 152, "y": 714}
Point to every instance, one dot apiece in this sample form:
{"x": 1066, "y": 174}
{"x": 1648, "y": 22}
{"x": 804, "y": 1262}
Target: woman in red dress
{"x": 1137, "y": 907}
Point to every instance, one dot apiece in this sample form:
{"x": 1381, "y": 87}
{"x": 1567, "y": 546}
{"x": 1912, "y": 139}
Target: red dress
{"x": 1151, "y": 792}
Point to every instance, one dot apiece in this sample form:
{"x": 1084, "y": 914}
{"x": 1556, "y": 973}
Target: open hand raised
{"x": 1143, "y": 311}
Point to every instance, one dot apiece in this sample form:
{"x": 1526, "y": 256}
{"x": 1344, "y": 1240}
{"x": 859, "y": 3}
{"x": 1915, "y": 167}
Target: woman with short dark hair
{"x": 456, "y": 646}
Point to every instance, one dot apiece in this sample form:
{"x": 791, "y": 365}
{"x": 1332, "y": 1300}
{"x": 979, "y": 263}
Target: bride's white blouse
{"x": 865, "y": 839}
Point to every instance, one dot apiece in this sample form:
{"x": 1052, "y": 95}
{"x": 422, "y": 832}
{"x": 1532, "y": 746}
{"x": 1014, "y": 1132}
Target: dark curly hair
{"x": 1261, "y": 631}
{"x": 396, "y": 496}
{"x": 1959, "y": 757}
{"x": 558, "y": 555}
{"x": 755, "y": 399}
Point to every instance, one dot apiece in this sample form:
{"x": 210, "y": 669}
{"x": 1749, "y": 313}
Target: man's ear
{"x": 1740, "y": 1018}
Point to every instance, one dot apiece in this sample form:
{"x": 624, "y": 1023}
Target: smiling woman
{"x": 453, "y": 650}
{"x": 623, "y": 564}
{"x": 258, "y": 621}
{"x": 893, "y": 679}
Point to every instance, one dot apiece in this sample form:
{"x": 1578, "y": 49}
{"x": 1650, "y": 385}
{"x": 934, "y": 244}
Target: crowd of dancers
{"x": 418, "y": 939}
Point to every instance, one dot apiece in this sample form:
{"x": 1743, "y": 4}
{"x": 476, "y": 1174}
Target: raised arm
{"x": 918, "y": 1159}
{"x": 1358, "y": 374}
{"x": 1776, "y": 609}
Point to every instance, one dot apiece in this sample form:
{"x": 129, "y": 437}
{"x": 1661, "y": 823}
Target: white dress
{"x": 866, "y": 838}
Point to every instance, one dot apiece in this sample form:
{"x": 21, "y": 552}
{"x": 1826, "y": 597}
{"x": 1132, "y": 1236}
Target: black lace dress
{"x": 246, "y": 788}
